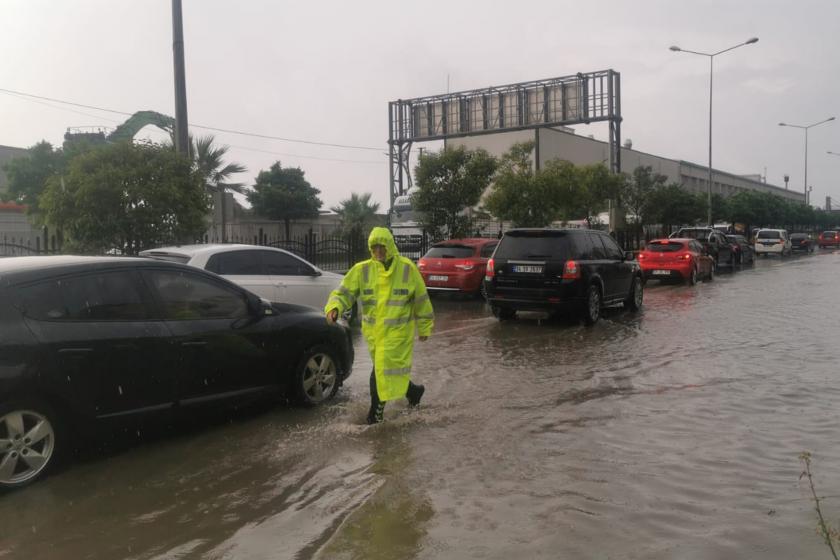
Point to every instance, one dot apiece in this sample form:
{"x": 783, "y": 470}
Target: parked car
{"x": 801, "y": 242}
{"x": 99, "y": 342}
{"x": 772, "y": 241}
{"x": 273, "y": 274}
{"x": 561, "y": 270}
{"x": 742, "y": 248}
{"x": 829, "y": 238}
{"x": 457, "y": 264}
{"x": 676, "y": 259}
{"x": 714, "y": 241}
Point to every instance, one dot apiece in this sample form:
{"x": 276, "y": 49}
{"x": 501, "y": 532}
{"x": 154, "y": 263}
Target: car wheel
{"x": 711, "y": 276}
{"x": 502, "y": 313}
{"x": 316, "y": 379}
{"x": 692, "y": 276}
{"x": 592, "y": 309}
{"x": 634, "y": 300}
{"x": 29, "y": 442}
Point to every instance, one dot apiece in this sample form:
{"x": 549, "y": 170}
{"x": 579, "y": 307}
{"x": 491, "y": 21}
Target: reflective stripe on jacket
{"x": 392, "y": 303}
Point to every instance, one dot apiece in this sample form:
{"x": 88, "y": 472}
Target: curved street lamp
{"x": 805, "y": 128}
{"x": 711, "y": 73}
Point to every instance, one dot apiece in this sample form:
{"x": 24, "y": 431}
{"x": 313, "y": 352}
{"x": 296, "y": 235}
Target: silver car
{"x": 273, "y": 274}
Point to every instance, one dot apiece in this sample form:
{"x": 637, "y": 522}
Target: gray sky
{"x": 325, "y": 71}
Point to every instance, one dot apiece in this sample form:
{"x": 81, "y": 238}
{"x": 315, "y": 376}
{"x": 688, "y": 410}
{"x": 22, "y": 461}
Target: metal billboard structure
{"x": 583, "y": 98}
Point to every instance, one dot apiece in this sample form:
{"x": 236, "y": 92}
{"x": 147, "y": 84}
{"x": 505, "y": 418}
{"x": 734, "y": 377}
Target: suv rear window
{"x": 670, "y": 247}
{"x": 766, "y": 234}
{"x": 449, "y": 252}
{"x": 828, "y": 234}
{"x": 701, "y": 234}
{"x": 541, "y": 245}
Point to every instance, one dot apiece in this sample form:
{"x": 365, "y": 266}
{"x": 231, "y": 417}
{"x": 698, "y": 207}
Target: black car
{"x": 714, "y": 241}
{"x": 561, "y": 270}
{"x": 801, "y": 242}
{"x": 744, "y": 253}
{"x": 96, "y": 342}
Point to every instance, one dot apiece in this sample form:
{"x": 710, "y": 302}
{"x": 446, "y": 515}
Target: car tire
{"x": 502, "y": 313}
{"x": 31, "y": 439}
{"x": 316, "y": 378}
{"x": 592, "y": 307}
{"x": 692, "y": 276}
{"x": 636, "y": 296}
{"x": 711, "y": 276}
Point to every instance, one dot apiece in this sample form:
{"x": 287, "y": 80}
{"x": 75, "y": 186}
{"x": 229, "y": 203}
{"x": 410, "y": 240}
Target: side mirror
{"x": 259, "y": 307}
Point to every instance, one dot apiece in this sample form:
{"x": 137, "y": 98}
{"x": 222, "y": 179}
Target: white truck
{"x": 408, "y": 234}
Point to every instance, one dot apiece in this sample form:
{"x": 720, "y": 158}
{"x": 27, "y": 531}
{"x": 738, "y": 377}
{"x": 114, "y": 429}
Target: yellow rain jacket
{"x": 392, "y": 302}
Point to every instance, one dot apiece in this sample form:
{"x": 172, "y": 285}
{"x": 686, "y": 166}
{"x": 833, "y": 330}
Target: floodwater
{"x": 671, "y": 433}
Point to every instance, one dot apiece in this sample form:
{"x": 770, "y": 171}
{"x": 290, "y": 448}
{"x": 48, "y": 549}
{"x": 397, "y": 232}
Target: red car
{"x": 457, "y": 264}
{"x": 829, "y": 239}
{"x": 676, "y": 259}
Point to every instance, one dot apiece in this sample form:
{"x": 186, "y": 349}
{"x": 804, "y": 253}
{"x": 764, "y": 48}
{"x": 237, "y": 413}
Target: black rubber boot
{"x": 376, "y": 413}
{"x": 414, "y": 393}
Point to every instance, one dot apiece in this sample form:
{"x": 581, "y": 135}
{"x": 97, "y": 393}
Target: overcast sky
{"x": 325, "y": 71}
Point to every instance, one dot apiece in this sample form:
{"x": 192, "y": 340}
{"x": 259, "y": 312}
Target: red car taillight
{"x": 684, "y": 256}
{"x": 466, "y": 265}
{"x": 642, "y": 256}
{"x": 571, "y": 271}
{"x": 421, "y": 263}
{"x": 490, "y": 272}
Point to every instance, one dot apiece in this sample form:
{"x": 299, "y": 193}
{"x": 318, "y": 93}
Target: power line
{"x": 217, "y": 129}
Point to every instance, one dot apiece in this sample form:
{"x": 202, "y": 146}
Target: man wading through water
{"x": 392, "y": 298}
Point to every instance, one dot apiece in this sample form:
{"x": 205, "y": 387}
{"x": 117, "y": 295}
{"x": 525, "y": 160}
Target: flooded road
{"x": 671, "y": 433}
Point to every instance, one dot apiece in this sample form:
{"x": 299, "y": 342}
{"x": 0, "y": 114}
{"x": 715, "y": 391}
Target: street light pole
{"x": 805, "y": 128}
{"x": 711, "y": 78}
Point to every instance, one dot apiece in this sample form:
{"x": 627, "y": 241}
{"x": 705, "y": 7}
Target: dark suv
{"x": 561, "y": 270}
{"x": 715, "y": 243}
{"x": 90, "y": 342}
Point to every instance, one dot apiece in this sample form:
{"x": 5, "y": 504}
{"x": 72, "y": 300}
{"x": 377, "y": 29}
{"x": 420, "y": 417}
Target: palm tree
{"x": 209, "y": 164}
{"x": 357, "y": 213}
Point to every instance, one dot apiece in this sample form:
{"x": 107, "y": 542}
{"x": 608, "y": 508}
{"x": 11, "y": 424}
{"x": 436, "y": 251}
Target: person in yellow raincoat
{"x": 393, "y": 302}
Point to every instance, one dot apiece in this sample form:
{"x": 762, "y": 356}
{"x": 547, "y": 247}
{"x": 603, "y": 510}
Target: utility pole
{"x": 182, "y": 137}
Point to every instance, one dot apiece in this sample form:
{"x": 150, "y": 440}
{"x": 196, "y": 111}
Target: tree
{"x": 214, "y": 173}
{"x": 673, "y": 205}
{"x": 125, "y": 198}
{"x": 584, "y": 189}
{"x": 357, "y": 214}
{"x": 638, "y": 190}
{"x": 520, "y": 195}
{"x": 448, "y": 182}
{"x": 28, "y": 174}
{"x": 284, "y": 194}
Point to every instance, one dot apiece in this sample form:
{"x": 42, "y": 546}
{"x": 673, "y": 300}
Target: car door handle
{"x": 74, "y": 350}
{"x": 195, "y": 343}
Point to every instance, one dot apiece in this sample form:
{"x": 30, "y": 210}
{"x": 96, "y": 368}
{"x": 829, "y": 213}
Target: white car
{"x": 772, "y": 241}
{"x": 274, "y": 274}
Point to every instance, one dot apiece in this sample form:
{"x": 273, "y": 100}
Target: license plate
{"x": 528, "y": 269}
{"x": 434, "y": 278}
{"x": 661, "y": 272}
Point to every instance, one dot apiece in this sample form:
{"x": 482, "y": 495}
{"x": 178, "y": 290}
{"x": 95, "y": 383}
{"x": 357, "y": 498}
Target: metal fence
{"x": 22, "y": 246}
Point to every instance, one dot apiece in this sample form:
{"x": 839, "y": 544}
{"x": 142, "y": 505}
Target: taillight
{"x": 491, "y": 271}
{"x": 641, "y": 256}
{"x": 571, "y": 271}
{"x": 466, "y": 265}
{"x": 684, "y": 256}
{"x": 421, "y": 263}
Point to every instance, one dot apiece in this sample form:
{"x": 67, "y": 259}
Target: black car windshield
{"x": 542, "y": 245}
{"x": 701, "y": 234}
{"x": 449, "y": 252}
{"x": 670, "y": 247}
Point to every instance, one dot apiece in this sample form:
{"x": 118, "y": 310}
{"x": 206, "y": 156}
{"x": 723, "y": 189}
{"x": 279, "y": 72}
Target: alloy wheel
{"x": 27, "y": 443}
{"x": 319, "y": 377}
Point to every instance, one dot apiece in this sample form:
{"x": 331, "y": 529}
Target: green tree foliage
{"x": 28, "y": 174}
{"x": 357, "y": 214}
{"x": 448, "y": 182}
{"x": 215, "y": 174}
{"x": 125, "y": 198}
{"x": 638, "y": 190}
{"x": 520, "y": 195}
{"x": 672, "y": 205}
{"x": 283, "y": 193}
{"x": 594, "y": 186}
{"x": 720, "y": 207}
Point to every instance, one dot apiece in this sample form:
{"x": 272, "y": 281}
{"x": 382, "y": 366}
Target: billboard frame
{"x": 582, "y": 98}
